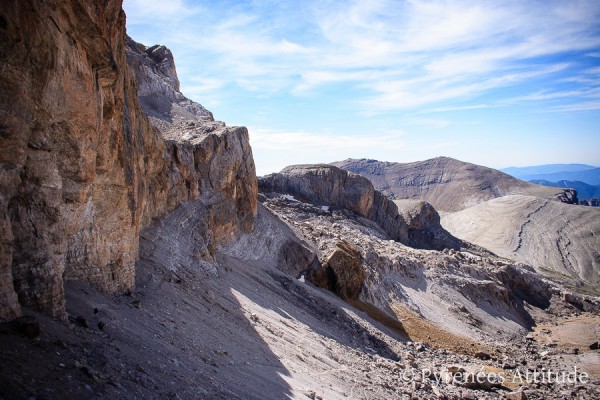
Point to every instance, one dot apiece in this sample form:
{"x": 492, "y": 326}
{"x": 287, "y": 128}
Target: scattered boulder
{"x": 519, "y": 395}
{"x": 27, "y": 326}
{"x": 342, "y": 273}
{"x": 471, "y": 376}
{"x": 594, "y": 346}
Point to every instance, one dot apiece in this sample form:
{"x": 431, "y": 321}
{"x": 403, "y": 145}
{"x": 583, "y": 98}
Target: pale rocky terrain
{"x": 557, "y": 239}
{"x": 511, "y": 218}
{"x": 244, "y": 326}
{"x": 137, "y": 262}
{"x": 334, "y": 187}
{"x": 446, "y": 183}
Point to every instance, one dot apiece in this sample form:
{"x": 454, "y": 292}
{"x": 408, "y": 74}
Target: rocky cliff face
{"x": 327, "y": 185}
{"x": 158, "y": 87}
{"x": 82, "y": 170}
{"x": 423, "y": 223}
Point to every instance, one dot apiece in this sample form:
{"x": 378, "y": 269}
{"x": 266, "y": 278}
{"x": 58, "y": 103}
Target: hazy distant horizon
{"x": 498, "y": 84}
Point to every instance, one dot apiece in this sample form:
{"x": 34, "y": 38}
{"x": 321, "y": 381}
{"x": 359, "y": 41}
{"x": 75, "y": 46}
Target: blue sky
{"x": 496, "y": 83}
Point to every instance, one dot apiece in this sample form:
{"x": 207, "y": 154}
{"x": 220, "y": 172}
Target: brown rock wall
{"x": 81, "y": 168}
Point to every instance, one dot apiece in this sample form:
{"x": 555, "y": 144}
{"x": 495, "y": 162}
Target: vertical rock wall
{"x": 81, "y": 168}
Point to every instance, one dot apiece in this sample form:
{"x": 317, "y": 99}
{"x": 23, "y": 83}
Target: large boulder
{"x": 343, "y": 272}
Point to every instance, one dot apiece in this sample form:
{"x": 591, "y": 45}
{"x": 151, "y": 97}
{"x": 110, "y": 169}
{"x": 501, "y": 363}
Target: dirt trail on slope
{"x": 572, "y": 338}
{"x": 420, "y": 330}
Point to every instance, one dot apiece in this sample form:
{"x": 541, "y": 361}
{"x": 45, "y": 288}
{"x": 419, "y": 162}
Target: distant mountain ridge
{"x": 557, "y": 172}
{"x": 446, "y": 183}
{"x": 546, "y": 169}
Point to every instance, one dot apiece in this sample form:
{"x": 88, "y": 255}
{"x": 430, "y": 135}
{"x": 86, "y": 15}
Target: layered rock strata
{"x": 82, "y": 170}
{"x": 446, "y": 183}
{"x": 158, "y": 87}
{"x": 559, "y": 240}
{"x": 329, "y": 186}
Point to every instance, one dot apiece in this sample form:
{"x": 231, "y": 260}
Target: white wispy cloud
{"x": 381, "y": 63}
{"x": 402, "y": 54}
{"x": 580, "y": 106}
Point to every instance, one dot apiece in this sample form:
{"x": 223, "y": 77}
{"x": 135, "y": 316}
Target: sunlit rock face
{"x": 324, "y": 184}
{"x": 82, "y": 170}
{"x": 447, "y": 184}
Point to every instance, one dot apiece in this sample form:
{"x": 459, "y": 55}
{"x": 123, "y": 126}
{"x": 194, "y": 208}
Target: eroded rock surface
{"x": 328, "y": 186}
{"x": 158, "y": 87}
{"x": 82, "y": 170}
{"x": 463, "y": 296}
{"x": 559, "y": 240}
{"x": 446, "y": 183}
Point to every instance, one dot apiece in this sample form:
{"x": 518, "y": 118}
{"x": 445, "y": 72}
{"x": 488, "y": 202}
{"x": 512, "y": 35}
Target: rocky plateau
{"x": 447, "y": 184}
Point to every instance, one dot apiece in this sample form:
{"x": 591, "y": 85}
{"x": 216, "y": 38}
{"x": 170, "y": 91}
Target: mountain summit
{"x": 446, "y": 183}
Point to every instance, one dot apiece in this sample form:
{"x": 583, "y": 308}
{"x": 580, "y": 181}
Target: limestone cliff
{"x": 158, "y": 87}
{"x": 82, "y": 170}
{"x": 323, "y": 184}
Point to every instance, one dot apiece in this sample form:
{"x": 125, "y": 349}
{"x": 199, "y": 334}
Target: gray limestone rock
{"x": 327, "y": 185}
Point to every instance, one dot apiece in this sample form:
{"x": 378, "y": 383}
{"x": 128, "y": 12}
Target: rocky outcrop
{"x": 82, "y": 170}
{"x": 460, "y": 294}
{"x": 446, "y": 183}
{"x": 424, "y": 224}
{"x": 158, "y": 87}
{"x": 327, "y": 185}
{"x": 343, "y": 271}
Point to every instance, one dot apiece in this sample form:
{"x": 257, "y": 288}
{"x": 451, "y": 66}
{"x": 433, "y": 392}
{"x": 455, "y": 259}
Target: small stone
{"x": 594, "y": 346}
{"x": 101, "y": 325}
{"x": 27, "y": 326}
{"x": 482, "y": 355}
{"x": 508, "y": 365}
{"x": 81, "y": 321}
{"x": 136, "y": 303}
